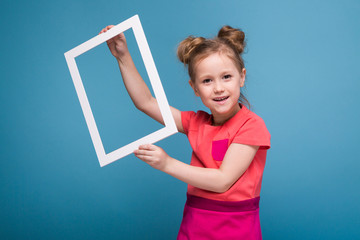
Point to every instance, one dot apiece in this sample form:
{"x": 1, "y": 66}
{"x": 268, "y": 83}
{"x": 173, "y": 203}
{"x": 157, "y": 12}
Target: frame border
{"x": 170, "y": 126}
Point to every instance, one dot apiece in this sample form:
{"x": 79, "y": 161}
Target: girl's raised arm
{"x": 134, "y": 84}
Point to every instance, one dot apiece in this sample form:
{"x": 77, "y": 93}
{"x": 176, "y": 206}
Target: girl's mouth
{"x": 220, "y": 99}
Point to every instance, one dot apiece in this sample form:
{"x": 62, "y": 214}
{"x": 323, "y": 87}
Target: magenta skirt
{"x": 211, "y": 219}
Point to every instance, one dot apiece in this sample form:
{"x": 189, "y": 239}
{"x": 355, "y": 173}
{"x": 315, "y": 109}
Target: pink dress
{"x": 233, "y": 214}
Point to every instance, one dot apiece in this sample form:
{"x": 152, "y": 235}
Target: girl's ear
{"x": 193, "y": 87}
{"x": 242, "y": 77}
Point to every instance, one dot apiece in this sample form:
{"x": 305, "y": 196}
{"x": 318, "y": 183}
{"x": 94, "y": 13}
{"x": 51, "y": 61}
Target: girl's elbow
{"x": 146, "y": 105}
{"x": 220, "y": 190}
{"x": 140, "y": 107}
{"x": 223, "y": 187}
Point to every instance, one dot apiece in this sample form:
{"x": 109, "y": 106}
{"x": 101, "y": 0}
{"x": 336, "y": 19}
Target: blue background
{"x": 303, "y": 80}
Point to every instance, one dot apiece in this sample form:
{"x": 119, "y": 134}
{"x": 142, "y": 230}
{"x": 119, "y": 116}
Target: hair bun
{"x": 234, "y": 36}
{"x": 187, "y": 46}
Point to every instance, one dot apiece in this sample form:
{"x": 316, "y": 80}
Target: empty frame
{"x": 170, "y": 126}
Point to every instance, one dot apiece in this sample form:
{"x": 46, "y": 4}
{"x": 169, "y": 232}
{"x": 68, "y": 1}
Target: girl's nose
{"x": 218, "y": 87}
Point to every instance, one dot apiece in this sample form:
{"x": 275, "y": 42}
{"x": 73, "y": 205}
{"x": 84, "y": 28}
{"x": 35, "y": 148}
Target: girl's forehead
{"x": 214, "y": 59}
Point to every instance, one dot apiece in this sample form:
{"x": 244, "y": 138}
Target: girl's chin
{"x": 225, "y": 110}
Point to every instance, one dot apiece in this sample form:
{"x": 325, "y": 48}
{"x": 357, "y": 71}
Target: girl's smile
{"x": 218, "y": 82}
{"x": 221, "y": 100}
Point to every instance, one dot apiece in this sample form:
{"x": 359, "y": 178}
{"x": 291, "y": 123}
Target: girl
{"x": 229, "y": 146}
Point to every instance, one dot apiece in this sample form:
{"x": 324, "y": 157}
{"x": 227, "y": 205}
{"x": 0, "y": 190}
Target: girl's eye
{"x": 207, "y": 81}
{"x": 227, "y": 76}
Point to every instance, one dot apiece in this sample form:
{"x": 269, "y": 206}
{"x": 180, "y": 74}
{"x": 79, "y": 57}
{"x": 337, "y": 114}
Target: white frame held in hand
{"x": 170, "y": 126}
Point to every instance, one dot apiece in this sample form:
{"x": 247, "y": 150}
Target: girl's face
{"x": 218, "y": 83}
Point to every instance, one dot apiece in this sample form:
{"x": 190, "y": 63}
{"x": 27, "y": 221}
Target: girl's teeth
{"x": 220, "y": 99}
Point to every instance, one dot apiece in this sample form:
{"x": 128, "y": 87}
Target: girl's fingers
{"x": 149, "y": 147}
{"x": 106, "y": 29}
{"x": 144, "y": 158}
{"x": 142, "y": 152}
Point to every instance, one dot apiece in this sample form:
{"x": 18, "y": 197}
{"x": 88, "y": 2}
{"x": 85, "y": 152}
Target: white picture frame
{"x": 170, "y": 126}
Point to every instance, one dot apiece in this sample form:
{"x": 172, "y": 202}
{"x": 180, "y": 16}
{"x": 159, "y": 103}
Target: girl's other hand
{"x": 117, "y": 44}
{"x": 153, "y": 155}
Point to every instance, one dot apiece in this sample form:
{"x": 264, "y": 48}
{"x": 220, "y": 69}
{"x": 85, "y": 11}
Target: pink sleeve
{"x": 185, "y": 120}
{"x": 253, "y": 132}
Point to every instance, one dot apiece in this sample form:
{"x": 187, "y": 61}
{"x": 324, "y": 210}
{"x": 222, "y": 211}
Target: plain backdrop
{"x": 303, "y": 79}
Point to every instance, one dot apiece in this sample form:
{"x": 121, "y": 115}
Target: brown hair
{"x": 230, "y": 41}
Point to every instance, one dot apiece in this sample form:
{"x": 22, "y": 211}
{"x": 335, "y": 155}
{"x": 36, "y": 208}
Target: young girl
{"x": 229, "y": 146}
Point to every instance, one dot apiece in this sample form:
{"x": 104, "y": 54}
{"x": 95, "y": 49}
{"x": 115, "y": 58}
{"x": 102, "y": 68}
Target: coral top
{"x": 210, "y": 143}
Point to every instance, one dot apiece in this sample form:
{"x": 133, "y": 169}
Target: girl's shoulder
{"x": 252, "y": 118}
{"x": 249, "y": 128}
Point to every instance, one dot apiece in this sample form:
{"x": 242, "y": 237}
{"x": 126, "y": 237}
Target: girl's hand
{"x": 117, "y": 44}
{"x": 153, "y": 155}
